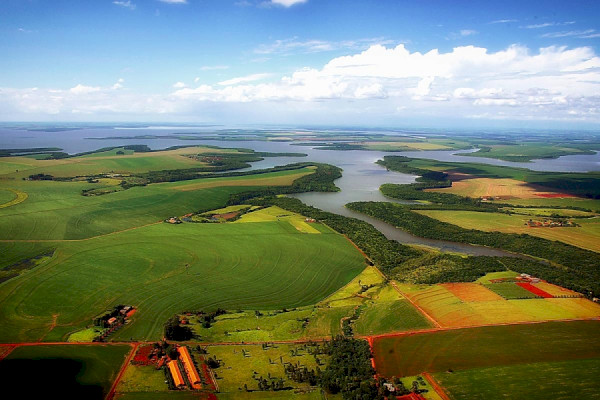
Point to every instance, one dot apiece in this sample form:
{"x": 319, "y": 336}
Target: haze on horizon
{"x": 380, "y": 63}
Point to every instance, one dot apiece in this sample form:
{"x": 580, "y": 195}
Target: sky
{"x": 416, "y": 63}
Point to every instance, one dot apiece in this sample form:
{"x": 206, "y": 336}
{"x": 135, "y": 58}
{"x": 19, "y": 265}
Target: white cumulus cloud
{"x": 287, "y": 3}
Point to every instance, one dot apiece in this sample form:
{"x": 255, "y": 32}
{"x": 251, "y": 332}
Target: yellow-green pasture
{"x": 586, "y": 236}
{"x": 450, "y": 311}
{"x": 279, "y": 214}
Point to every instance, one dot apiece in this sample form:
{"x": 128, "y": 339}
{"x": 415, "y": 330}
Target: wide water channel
{"x": 360, "y": 181}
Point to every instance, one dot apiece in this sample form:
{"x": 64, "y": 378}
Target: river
{"x": 360, "y": 180}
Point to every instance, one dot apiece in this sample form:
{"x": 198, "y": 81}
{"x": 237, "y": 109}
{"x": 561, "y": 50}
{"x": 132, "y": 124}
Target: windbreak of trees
{"x": 580, "y": 268}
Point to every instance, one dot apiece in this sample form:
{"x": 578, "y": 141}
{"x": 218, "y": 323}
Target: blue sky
{"x": 290, "y": 61}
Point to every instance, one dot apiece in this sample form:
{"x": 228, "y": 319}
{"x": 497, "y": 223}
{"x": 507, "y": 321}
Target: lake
{"x": 360, "y": 181}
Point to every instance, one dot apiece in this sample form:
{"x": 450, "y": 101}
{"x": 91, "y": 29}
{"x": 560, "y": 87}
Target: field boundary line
{"x": 77, "y": 240}
{"x": 436, "y": 386}
{"x": 111, "y": 393}
{"x": 454, "y": 328}
{"x": 429, "y": 317}
{"x": 10, "y": 350}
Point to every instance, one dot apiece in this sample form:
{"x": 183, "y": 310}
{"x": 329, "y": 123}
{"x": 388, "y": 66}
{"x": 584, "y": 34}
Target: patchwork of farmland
{"x": 472, "y": 304}
{"x": 486, "y": 347}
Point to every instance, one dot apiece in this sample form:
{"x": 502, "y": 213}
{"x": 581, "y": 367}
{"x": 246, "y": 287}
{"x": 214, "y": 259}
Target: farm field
{"x": 388, "y": 312}
{"x": 57, "y": 210}
{"x": 486, "y": 347}
{"x": 107, "y": 162}
{"x": 502, "y": 188}
{"x": 382, "y": 310}
{"x": 278, "y": 214}
{"x": 510, "y": 290}
{"x": 487, "y": 278}
{"x": 449, "y": 310}
{"x": 527, "y": 151}
{"x": 588, "y": 204}
{"x": 586, "y": 236}
{"x": 280, "y": 178}
{"x": 266, "y": 265}
{"x": 75, "y": 371}
{"x": 544, "y": 380}
{"x": 241, "y": 365}
{"x": 547, "y": 212}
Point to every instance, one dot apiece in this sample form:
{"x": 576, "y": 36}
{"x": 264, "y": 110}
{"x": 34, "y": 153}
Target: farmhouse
{"x": 176, "y": 374}
{"x": 189, "y": 367}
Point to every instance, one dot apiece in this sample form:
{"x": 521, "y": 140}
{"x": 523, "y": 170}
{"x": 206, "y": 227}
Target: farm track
{"x": 436, "y": 386}
{"x": 111, "y": 393}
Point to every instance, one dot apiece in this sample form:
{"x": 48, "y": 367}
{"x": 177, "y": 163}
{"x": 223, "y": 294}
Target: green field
{"x": 510, "y": 290}
{"x": 388, "y": 312}
{"x": 544, "y": 380}
{"x": 86, "y": 371}
{"x": 526, "y": 152}
{"x": 587, "y": 235}
{"x": 57, "y": 210}
{"x": 107, "y": 162}
{"x": 547, "y": 212}
{"x": 383, "y": 310}
{"x": 487, "y": 278}
{"x": 487, "y": 347}
{"x": 241, "y": 364}
{"x": 202, "y": 266}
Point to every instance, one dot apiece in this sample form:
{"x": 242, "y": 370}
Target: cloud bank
{"x": 467, "y": 82}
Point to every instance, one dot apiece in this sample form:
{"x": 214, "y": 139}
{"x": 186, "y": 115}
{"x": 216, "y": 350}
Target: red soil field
{"x": 470, "y": 292}
{"x": 227, "y": 216}
{"x": 534, "y": 290}
{"x": 142, "y": 356}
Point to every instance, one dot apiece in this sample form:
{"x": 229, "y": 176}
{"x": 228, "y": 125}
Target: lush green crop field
{"x": 545, "y": 380}
{"x": 464, "y": 349}
{"x": 383, "y": 311}
{"x": 106, "y": 162}
{"x": 57, "y": 210}
{"x": 510, "y": 290}
{"x": 86, "y": 371}
{"x": 526, "y": 152}
{"x": 388, "y": 312}
{"x": 163, "y": 269}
